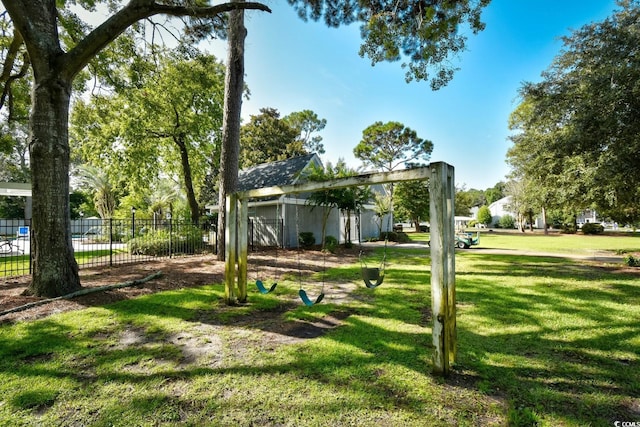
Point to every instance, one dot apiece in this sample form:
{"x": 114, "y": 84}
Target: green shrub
{"x": 631, "y": 261}
{"x": 484, "y": 215}
{"x": 187, "y": 240}
{"x": 306, "y": 239}
{"x": 395, "y": 236}
{"x": 330, "y": 243}
{"x": 507, "y": 221}
{"x": 592, "y": 228}
{"x": 569, "y": 224}
{"x": 472, "y": 223}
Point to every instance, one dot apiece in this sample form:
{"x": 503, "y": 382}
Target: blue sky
{"x": 292, "y": 65}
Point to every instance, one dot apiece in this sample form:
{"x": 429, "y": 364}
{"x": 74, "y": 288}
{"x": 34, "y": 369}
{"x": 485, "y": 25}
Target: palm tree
{"x": 164, "y": 196}
{"x": 382, "y": 207}
{"x": 104, "y": 198}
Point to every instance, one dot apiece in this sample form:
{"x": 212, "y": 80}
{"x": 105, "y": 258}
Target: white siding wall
{"x": 307, "y": 219}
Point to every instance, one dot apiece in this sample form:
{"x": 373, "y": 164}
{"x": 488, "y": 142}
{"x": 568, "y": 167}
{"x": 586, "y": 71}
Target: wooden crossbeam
{"x": 333, "y": 184}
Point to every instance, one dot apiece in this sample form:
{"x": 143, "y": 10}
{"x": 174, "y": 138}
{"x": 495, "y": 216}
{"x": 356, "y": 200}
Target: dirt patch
{"x": 176, "y": 273}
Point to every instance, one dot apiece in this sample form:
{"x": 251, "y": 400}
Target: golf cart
{"x": 465, "y": 240}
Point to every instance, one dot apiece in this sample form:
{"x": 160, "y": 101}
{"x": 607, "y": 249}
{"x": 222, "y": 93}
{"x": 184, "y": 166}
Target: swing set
{"x": 442, "y": 192}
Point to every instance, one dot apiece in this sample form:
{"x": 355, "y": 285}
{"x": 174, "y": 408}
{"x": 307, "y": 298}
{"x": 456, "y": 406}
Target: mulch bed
{"x": 183, "y": 272}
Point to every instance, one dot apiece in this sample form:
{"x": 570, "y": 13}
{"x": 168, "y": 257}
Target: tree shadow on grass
{"x": 559, "y": 341}
{"x": 371, "y": 348}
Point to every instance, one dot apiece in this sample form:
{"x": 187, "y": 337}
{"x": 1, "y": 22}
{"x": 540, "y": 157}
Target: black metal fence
{"x": 266, "y": 232}
{"x": 109, "y": 242}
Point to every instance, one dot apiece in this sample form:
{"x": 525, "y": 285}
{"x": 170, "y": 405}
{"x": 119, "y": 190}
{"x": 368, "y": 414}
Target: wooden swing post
{"x": 236, "y": 247}
{"x": 443, "y": 274}
{"x": 230, "y": 248}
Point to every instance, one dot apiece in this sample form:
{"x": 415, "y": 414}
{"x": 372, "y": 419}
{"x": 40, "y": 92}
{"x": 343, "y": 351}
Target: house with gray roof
{"x": 279, "y": 220}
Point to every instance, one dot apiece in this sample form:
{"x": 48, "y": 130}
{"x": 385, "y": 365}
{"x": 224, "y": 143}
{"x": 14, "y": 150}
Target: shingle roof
{"x": 282, "y": 172}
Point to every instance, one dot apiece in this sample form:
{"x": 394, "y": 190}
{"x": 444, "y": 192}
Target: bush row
{"x": 162, "y": 243}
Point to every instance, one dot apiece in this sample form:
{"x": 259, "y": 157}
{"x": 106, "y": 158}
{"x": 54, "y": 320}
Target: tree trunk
{"x": 347, "y": 228}
{"x": 544, "y": 221}
{"x": 416, "y": 222}
{"x": 55, "y": 271}
{"x": 188, "y": 180}
{"x": 234, "y": 85}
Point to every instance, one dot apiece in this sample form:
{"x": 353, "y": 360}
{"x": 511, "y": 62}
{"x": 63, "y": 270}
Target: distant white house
{"x": 500, "y": 208}
{"x": 588, "y": 215}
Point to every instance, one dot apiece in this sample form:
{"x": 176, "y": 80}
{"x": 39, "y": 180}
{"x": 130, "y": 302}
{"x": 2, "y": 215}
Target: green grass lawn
{"x": 618, "y": 242}
{"x": 19, "y": 265}
{"x": 541, "y": 341}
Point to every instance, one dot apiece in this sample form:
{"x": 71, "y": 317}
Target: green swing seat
{"x": 305, "y": 298}
{"x": 262, "y": 289}
{"x": 373, "y": 277}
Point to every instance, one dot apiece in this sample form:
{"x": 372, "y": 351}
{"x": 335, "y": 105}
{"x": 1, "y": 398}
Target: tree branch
{"x": 109, "y": 30}
{"x": 6, "y": 78}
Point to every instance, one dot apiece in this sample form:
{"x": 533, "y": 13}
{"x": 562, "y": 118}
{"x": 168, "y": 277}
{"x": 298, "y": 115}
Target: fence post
{"x": 133, "y": 222}
{"x": 170, "y": 235}
{"x": 110, "y": 242}
{"x": 28, "y": 222}
{"x": 251, "y": 235}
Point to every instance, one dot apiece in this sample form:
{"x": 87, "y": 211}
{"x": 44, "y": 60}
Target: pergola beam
{"x": 351, "y": 181}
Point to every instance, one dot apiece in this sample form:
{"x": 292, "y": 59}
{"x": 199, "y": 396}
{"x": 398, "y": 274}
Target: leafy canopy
{"x": 577, "y": 140}
{"x": 163, "y": 120}
{"x": 268, "y": 138}
{"x": 411, "y": 200}
{"x": 422, "y": 34}
{"x": 387, "y": 146}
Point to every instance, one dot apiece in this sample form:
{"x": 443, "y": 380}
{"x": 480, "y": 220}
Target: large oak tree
{"x": 55, "y": 64}
{"x": 577, "y": 134}
{"x": 165, "y": 121}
